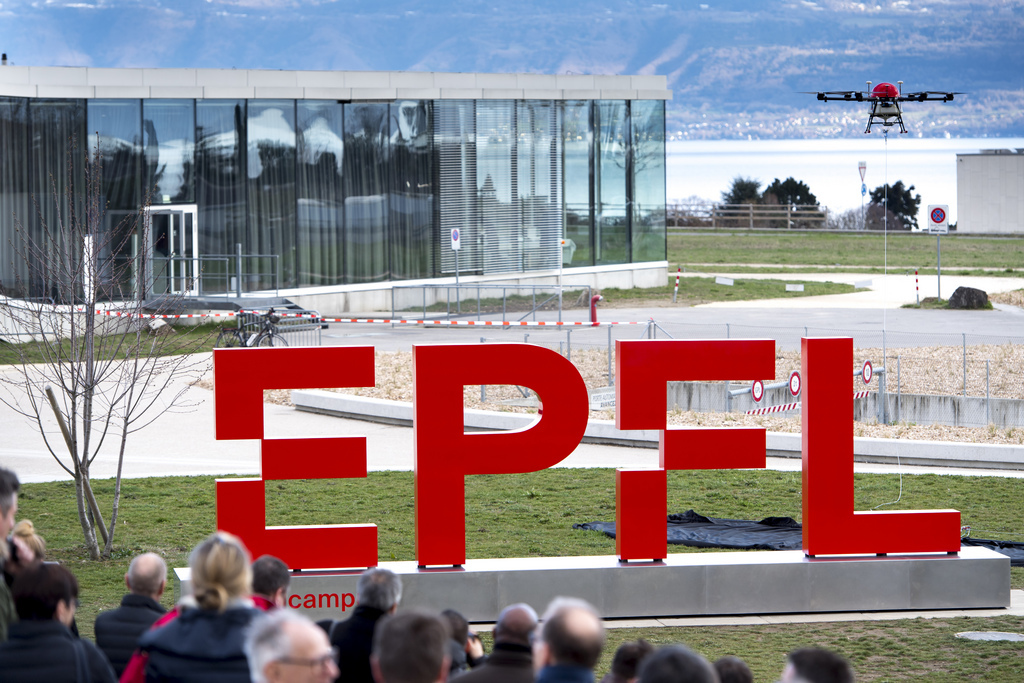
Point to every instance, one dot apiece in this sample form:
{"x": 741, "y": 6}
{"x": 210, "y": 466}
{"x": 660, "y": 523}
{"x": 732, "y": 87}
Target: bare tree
{"x": 91, "y": 351}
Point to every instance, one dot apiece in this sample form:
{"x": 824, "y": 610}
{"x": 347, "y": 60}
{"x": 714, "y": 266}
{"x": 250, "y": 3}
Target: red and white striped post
{"x": 676, "y": 291}
{"x": 917, "y": 289}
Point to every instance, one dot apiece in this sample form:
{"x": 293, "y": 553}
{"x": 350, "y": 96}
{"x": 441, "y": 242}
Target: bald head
{"x": 515, "y": 624}
{"x": 572, "y": 633}
{"x": 147, "y": 575}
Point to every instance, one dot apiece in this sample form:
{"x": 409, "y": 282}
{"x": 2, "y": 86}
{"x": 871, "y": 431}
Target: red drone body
{"x": 885, "y": 101}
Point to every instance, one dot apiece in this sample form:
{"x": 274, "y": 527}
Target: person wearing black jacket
{"x": 377, "y": 594}
{"x": 511, "y": 661}
{"x": 41, "y": 646}
{"x": 118, "y": 630}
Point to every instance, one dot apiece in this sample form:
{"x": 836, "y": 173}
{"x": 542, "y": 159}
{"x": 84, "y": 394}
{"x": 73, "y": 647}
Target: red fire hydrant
{"x": 593, "y": 308}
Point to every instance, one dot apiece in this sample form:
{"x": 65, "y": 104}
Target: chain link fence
{"x": 962, "y": 380}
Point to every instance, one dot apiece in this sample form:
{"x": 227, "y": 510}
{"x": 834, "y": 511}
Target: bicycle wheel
{"x": 229, "y": 338}
{"x": 270, "y": 339}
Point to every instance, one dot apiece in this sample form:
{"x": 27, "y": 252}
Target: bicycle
{"x": 268, "y": 334}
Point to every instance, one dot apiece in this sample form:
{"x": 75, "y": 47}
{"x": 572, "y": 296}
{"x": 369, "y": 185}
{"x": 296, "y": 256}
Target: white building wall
{"x": 990, "y": 192}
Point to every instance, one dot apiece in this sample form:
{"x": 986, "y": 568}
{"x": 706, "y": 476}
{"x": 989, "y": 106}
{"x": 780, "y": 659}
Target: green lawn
{"x": 904, "y": 251}
{"x": 170, "y": 515}
{"x": 702, "y": 290}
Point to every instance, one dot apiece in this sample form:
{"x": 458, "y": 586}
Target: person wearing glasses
{"x": 285, "y": 647}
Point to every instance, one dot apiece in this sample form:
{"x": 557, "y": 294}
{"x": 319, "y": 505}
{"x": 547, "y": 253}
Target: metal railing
{"x": 300, "y": 327}
{"x": 511, "y": 297}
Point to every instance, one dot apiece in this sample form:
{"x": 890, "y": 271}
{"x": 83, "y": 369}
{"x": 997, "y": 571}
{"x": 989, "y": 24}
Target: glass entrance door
{"x": 173, "y": 248}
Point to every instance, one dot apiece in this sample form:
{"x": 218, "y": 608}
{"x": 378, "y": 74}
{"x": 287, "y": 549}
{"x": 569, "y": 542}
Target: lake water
{"x": 829, "y": 167}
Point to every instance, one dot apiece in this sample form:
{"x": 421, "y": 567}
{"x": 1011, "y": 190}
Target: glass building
{"x": 330, "y": 179}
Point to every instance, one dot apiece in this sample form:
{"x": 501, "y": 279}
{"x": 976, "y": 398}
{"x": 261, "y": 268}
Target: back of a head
{"x": 733, "y": 670}
{"x": 457, "y": 625}
{"x": 410, "y": 647}
{"x": 677, "y": 664}
{"x": 515, "y": 625}
{"x": 26, "y": 531}
{"x": 817, "y": 665}
{"x": 146, "y": 574}
{"x": 573, "y": 632}
{"x": 9, "y": 486}
{"x": 220, "y": 571}
{"x": 38, "y": 589}
{"x": 628, "y": 657}
{"x": 379, "y": 588}
{"x": 269, "y": 575}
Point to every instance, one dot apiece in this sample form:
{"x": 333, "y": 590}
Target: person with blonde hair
{"x": 205, "y": 643}
{"x": 26, "y": 531}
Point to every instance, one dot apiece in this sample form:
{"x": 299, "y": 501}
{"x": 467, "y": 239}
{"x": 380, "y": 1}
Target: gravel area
{"x": 1014, "y": 298}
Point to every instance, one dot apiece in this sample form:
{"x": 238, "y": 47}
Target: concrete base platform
{"x": 682, "y": 585}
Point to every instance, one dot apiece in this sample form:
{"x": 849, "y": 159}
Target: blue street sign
{"x": 863, "y": 189}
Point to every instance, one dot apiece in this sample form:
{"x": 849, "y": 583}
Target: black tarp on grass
{"x": 771, "y": 533}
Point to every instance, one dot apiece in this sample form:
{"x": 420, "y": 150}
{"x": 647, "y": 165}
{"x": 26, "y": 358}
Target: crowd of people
{"x": 235, "y": 628}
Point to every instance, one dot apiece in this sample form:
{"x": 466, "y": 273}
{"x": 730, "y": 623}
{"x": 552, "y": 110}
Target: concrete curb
{"x": 779, "y": 444}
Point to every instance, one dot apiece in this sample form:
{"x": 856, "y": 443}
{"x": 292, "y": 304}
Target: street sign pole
{"x": 862, "y": 167}
{"x": 938, "y": 222}
{"x": 456, "y": 245}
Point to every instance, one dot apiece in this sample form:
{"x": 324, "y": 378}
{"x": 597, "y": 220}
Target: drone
{"x": 885, "y": 101}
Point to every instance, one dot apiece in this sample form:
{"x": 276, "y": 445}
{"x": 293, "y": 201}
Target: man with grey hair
{"x": 511, "y": 661}
{"x": 377, "y": 594}
{"x": 570, "y": 643}
{"x": 118, "y": 630}
{"x": 284, "y": 647}
{"x": 410, "y": 648}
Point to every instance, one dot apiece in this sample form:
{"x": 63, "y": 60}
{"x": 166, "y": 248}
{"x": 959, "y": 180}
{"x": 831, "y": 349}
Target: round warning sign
{"x": 794, "y": 383}
{"x": 938, "y": 215}
{"x": 757, "y": 390}
{"x": 867, "y": 372}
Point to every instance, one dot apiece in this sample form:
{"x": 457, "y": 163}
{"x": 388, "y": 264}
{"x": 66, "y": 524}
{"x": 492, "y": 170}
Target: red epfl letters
{"x": 445, "y": 453}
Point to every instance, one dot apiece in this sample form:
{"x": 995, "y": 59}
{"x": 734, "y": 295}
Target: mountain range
{"x": 737, "y": 68}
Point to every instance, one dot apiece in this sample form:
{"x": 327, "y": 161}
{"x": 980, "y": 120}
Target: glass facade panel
{"x": 327, "y": 193}
{"x": 169, "y": 142}
{"x": 539, "y": 157}
{"x": 365, "y": 182}
{"x": 455, "y": 142}
{"x": 15, "y": 204}
{"x": 610, "y": 150}
{"x": 411, "y": 204}
{"x": 271, "y": 179}
{"x": 57, "y": 162}
{"x": 647, "y": 122}
{"x": 320, "y": 202}
{"x": 576, "y": 155}
{"x": 496, "y": 186}
{"x": 220, "y": 189}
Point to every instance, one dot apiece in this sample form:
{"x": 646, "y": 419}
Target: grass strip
{"x": 855, "y": 249}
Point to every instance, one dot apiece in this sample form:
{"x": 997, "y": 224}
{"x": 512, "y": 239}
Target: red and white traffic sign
{"x": 867, "y": 372}
{"x": 862, "y": 166}
{"x": 757, "y": 390}
{"x": 938, "y": 218}
{"x": 455, "y": 239}
{"x": 794, "y": 383}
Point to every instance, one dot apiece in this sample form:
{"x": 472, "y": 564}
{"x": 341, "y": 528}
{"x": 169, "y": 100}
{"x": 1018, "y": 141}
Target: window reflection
{"x": 611, "y": 229}
{"x": 648, "y": 137}
{"x": 220, "y": 185}
{"x": 270, "y": 162}
{"x": 320, "y": 202}
{"x": 576, "y": 139}
{"x": 168, "y": 139}
{"x": 365, "y": 182}
{"x": 411, "y": 205}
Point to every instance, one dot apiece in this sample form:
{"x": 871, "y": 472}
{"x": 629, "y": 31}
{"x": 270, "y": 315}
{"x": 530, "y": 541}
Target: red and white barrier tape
{"x": 774, "y": 409}
{"x": 379, "y": 321}
{"x": 861, "y": 394}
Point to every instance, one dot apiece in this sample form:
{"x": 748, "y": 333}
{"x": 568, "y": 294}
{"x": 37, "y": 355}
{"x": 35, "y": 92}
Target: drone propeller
{"x": 930, "y": 96}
